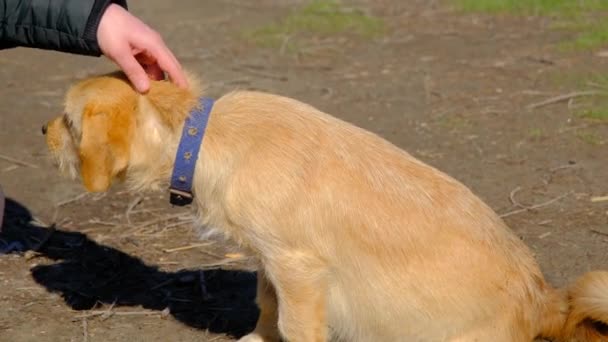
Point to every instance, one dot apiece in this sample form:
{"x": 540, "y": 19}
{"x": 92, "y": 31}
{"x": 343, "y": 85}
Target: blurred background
{"x": 507, "y": 96}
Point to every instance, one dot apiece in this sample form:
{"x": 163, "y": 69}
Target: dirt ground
{"x": 450, "y": 88}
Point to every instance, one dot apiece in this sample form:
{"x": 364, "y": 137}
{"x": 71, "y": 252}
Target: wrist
{"x": 98, "y": 11}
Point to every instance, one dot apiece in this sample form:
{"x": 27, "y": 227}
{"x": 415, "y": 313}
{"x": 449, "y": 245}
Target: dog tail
{"x": 578, "y": 313}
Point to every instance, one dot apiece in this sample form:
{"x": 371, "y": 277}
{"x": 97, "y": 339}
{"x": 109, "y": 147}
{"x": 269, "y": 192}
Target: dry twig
{"x": 218, "y": 263}
{"x": 85, "y": 330}
{"x": 17, "y": 161}
{"x": 562, "y": 167}
{"x": 177, "y": 224}
{"x": 184, "y": 248}
{"x": 573, "y": 128}
{"x": 263, "y": 74}
{"x": 512, "y": 198}
{"x": 172, "y": 225}
{"x": 37, "y": 222}
{"x": 600, "y": 232}
{"x": 597, "y": 85}
{"x": 564, "y": 97}
{"x": 71, "y": 200}
{"x": 137, "y": 229}
{"x": 99, "y": 196}
{"x": 104, "y": 313}
{"x": 10, "y": 168}
{"x": 132, "y": 206}
{"x": 235, "y": 255}
{"x": 536, "y": 206}
{"x": 103, "y": 223}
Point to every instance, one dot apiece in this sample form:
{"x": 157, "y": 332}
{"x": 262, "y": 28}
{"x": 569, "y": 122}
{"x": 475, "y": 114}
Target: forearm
{"x": 61, "y": 25}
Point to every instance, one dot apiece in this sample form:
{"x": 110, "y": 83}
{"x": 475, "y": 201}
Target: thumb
{"x": 134, "y": 71}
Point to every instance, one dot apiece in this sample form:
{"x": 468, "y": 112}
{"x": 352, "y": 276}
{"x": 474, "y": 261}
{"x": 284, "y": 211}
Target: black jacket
{"x": 60, "y": 25}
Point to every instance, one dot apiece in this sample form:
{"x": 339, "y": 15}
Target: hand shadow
{"x": 87, "y": 274}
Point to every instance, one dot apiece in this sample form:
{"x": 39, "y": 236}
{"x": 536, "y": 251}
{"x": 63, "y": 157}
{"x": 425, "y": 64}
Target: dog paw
{"x": 253, "y": 337}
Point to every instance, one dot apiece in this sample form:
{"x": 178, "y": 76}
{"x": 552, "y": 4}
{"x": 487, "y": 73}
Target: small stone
{"x": 602, "y": 53}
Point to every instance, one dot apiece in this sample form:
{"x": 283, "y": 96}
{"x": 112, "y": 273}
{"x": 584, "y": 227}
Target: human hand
{"x": 137, "y": 49}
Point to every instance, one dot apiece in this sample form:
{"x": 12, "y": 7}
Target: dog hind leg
{"x": 300, "y": 282}
{"x": 266, "y": 329}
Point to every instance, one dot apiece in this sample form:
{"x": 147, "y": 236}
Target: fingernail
{"x": 142, "y": 86}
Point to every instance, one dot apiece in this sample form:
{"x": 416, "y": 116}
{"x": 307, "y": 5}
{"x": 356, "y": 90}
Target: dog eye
{"x": 67, "y": 122}
{"x": 70, "y": 127}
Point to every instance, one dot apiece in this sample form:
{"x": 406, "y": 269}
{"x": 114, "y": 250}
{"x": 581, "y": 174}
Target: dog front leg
{"x": 266, "y": 329}
{"x": 300, "y": 282}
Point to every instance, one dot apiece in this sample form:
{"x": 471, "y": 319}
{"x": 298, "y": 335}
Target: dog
{"x": 357, "y": 240}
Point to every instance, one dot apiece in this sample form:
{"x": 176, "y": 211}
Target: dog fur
{"x": 357, "y": 240}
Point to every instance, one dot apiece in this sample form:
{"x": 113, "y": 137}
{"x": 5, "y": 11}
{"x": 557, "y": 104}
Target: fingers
{"x": 134, "y": 71}
{"x": 154, "y": 71}
{"x": 157, "y": 59}
{"x": 168, "y": 63}
{"x": 150, "y": 66}
{"x": 137, "y": 49}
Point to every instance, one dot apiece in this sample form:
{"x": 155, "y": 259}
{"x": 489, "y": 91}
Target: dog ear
{"x": 104, "y": 145}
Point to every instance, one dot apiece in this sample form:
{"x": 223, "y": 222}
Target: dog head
{"x": 108, "y": 128}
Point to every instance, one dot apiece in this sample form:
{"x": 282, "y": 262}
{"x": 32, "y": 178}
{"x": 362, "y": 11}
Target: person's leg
{"x": 1, "y": 207}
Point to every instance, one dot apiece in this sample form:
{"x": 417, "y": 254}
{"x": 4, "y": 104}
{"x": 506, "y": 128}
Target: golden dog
{"x": 357, "y": 240}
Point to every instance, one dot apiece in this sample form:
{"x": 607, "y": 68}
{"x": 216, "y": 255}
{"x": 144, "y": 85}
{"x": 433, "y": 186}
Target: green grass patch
{"x": 594, "y": 108}
{"x": 590, "y": 138}
{"x": 536, "y": 133}
{"x": 592, "y": 36}
{"x": 596, "y": 114}
{"x": 320, "y": 17}
{"x": 587, "y": 18}
{"x": 591, "y": 31}
{"x": 537, "y": 7}
{"x": 454, "y": 122}
{"x": 579, "y": 80}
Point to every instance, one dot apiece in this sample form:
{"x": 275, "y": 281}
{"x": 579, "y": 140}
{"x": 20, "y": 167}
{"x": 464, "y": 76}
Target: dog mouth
{"x": 65, "y": 162}
{"x": 61, "y": 151}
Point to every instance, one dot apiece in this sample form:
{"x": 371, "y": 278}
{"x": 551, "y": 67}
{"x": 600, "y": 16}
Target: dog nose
{"x": 44, "y": 129}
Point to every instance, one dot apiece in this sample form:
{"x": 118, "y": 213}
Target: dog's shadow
{"x": 87, "y": 273}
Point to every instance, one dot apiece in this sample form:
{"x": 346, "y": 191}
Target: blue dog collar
{"x": 187, "y": 153}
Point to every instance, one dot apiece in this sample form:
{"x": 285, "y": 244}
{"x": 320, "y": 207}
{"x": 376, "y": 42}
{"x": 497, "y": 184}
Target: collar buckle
{"x": 179, "y": 198}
